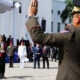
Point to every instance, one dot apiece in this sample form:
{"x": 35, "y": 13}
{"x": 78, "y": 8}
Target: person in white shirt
{"x": 22, "y": 54}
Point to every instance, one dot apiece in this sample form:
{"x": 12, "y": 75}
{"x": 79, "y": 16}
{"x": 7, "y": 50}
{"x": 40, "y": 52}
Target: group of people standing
{"x": 38, "y": 52}
{"x": 32, "y": 53}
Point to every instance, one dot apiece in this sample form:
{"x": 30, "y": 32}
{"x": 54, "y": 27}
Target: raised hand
{"x": 33, "y": 8}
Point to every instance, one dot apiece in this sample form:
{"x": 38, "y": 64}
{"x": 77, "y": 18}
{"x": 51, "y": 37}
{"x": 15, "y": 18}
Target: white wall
{"x": 6, "y": 23}
{"x": 45, "y": 7}
{"x": 57, "y": 5}
{"x": 45, "y": 11}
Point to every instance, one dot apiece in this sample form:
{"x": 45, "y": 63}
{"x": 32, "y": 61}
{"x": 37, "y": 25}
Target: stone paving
{"x": 28, "y": 73}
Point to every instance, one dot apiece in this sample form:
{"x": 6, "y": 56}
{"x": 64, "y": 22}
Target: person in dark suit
{"x": 30, "y": 53}
{"x": 46, "y": 55}
{"x": 37, "y": 54}
{"x": 2, "y": 57}
{"x": 9, "y": 39}
{"x": 22, "y": 40}
{"x": 68, "y": 39}
{"x": 18, "y": 43}
{"x": 4, "y": 38}
{"x": 54, "y": 53}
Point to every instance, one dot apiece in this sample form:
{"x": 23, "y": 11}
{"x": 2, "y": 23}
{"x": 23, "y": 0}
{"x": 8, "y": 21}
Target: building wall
{"x": 6, "y": 23}
{"x": 44, "y": 11}
{"x": 56, "y": 17}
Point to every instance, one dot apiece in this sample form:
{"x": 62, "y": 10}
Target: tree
{"x": 67, "y": 11}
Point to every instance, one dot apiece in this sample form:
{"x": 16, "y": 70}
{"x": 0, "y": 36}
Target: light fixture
{"x": 17, "y": 4}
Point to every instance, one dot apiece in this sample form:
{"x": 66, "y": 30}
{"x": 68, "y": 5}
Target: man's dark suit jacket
{"x": 47, "y": 52}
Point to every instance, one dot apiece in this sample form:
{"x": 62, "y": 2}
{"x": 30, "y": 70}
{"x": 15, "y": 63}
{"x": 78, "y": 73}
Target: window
{"x": 20, "y": 10}
{"x": 58, "y": 27}
{"x": 43, "y": 25}
{"x": 52, "y": 11}
{"x": 59, "y": 12}
{"x": 51, "y": 26}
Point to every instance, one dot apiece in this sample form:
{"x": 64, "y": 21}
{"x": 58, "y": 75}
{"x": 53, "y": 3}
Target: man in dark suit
{"x": 46, "y": 55}
{"x": 9, "y": 39}
{"x": 37, "y": 54}
{"x": 4, "y": 38}
{"x": 30, "y": 53}
{"x": 2, "y": 57}
{"x": 68, "y": 39}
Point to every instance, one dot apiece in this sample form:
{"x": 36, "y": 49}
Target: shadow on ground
{"x": 19, "y": 77}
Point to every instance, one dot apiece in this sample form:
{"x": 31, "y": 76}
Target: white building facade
{"x": 50, "y": 10}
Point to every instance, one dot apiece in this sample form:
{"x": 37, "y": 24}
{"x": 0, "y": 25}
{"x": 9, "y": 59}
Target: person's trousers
{"x": 45, "y": 59}
{"x": 11, "y": 61}
{"x": 22, "y": 59}
{"x": 2, "y": 65}
{"x": 31, "y": 57}
{"x": 37, "y": 59}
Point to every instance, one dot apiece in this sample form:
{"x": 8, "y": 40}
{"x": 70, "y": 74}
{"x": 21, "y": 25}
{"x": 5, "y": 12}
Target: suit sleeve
{"x": 38, "y": 36}
{"x": 34, "y": 52}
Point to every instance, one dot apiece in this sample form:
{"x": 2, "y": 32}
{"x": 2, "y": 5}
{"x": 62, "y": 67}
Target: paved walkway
{"x": 28, "y": 73}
